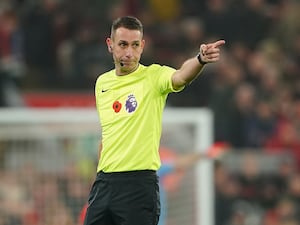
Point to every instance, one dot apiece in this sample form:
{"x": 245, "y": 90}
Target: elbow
{"x": 179, "y": 82}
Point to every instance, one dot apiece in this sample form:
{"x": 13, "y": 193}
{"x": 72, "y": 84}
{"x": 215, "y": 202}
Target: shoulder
{"x": 105, "y": 76}
{"x": 159, "y": 67}
{"x": 158, "y": 70}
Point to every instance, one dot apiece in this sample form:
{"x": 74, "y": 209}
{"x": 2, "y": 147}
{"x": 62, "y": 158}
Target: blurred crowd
{"x": 254, "y": 91}
{"x": 260, "y": 191}
{"x": 31, "y": 197}
{"x": 250, "y": 189}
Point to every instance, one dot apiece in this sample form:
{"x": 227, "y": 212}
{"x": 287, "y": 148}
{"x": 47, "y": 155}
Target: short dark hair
{"x": 128, "y": 22}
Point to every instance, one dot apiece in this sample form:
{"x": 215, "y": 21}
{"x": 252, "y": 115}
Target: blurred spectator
{"x": 170, "y": 173}
{"x": 11, "y": 61}
{"x": 75, "y": 195}
{"x": 283, "y": 106}
{"x": 217, "y": 19}
{"x": 88, "y": 57}
{"x": 165, "y": 11}
{"x": 249, "y": 178}
{"x": 227, "y": 191}
{"x": 293, "y": 188}
{"x": 241, "y": 116}
{"x": 287, "y": 28}
{"x": 285, "y": 140}
{"x": 39, "y": 45}
{"x": 262, "y": 124}
{"x": 226, "y": 80}
{"x": 14, "y": 202}
{"x": 251, "y": 22}
{"x": 285, "y": 211}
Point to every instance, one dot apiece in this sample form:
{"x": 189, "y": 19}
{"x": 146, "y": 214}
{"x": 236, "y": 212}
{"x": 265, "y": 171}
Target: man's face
{"x": 126, "y": 47}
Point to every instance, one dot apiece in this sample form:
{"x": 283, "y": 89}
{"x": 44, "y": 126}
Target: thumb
{"x": 203, "y": 49}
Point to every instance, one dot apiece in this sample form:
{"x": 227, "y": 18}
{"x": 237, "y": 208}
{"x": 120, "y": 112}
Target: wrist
{"x": 199, "y": 57}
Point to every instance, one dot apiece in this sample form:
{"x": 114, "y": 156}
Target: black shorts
{"x": 124, "y": 198}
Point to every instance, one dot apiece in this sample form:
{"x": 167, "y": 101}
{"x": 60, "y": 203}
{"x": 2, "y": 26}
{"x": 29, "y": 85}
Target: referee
{"x": 130, "y": 100}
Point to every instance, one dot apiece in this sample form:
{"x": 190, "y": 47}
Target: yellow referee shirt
{"x": 130, "y": 109}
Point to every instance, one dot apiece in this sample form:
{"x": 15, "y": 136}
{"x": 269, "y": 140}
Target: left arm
{"x": 192, "y": 67}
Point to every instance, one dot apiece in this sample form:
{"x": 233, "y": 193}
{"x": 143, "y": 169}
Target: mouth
{"x": 128, "y": 63}
{"x": 124, "y": 62}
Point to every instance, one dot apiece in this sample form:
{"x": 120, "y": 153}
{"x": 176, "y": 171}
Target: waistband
{"x": 135, "y": 173}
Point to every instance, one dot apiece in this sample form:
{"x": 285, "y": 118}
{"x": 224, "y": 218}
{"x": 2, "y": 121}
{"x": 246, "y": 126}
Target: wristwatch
{"x": 200, "y": 59}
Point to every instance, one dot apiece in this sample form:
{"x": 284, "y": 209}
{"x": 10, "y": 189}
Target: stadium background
{"x": 51, "y": 52}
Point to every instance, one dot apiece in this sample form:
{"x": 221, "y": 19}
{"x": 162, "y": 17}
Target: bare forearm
{"x": 191, "y": 68}
{"x": 188, "y": 72}
{"x": 186, "y": 161}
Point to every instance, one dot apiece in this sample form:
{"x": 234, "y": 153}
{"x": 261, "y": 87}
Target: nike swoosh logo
{"x": 104, "y": 90}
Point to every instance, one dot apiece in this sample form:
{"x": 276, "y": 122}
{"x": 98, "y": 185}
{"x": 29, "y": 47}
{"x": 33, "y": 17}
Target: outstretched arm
{"x": 192, "y": 67}
{"x": 183, "y": 162}
{"x": 216, "y": 151}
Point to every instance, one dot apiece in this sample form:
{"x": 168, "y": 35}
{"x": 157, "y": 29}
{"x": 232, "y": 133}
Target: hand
{"x": 217, "y": 150}
{"x": 210, "y": 52}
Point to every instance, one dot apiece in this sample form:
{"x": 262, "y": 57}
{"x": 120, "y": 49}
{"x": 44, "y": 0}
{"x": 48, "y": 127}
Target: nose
{"x": 129, "y": 52}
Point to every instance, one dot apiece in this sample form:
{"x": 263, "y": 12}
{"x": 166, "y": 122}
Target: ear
{"x": 143, "y": 44}
{"x": 109, "y": 44}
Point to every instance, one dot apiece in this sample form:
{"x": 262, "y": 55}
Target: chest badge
{"x": 131, "y": 103}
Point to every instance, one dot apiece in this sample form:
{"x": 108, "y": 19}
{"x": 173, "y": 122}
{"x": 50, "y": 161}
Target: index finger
{"x": 218, "y": 43}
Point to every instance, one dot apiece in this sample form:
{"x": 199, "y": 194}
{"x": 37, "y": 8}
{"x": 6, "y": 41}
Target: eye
{"x": 123, "y": 45}
{"x": 135, "y": 45}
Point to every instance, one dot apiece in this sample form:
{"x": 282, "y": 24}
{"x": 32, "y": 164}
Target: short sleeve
{"x": 165, "y": 80}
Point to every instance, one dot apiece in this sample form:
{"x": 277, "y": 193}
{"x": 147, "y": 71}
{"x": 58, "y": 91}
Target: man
{"x": 174, "y": 165}
{"x": 130, "y": 100}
